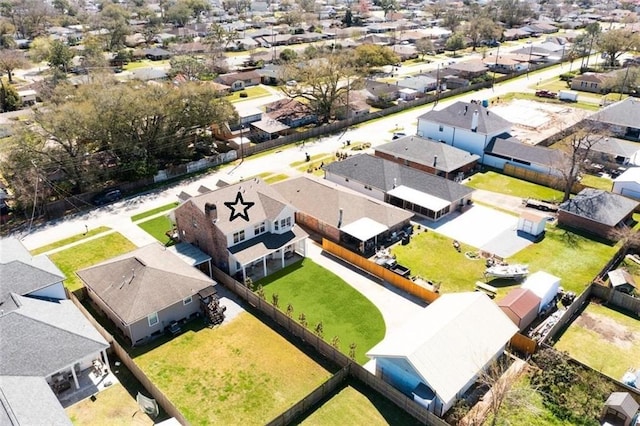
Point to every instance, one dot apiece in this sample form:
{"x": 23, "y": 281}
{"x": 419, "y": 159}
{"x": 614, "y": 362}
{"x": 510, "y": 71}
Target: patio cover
{"x": 364, "y": 229}
{"x": 264, "y": 244}
{"x": 420, "y": 198}
{"x": 189, "y": 253}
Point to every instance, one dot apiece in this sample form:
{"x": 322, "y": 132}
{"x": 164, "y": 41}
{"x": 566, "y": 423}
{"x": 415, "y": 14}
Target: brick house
{"x": 248, "y": 228}
{"x": 239, "y": 80}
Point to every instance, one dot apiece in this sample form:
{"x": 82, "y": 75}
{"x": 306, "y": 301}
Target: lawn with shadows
{"x": 70, "y": 240}
{"x": 503, "y": 184}
{"x": 151, "y": 212}
{"x": 158, "y": 228}
{"x": 324, "y": 297}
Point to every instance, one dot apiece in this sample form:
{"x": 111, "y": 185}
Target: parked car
{"x": 106, "y": 197}
{"x": 546, "y": 94}
{"x": 398, "y": 135}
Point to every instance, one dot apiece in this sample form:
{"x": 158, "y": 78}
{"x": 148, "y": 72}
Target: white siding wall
{"x": 429, "y": 129}
{"x": 628, "y": 189}
{"x": 356, "y": 186}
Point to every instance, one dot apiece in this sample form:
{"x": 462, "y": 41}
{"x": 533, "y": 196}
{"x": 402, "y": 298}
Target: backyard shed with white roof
{"x": 544, "y": 285}
{"x": 628, "y": 183}
{"x": 438, "y": 355}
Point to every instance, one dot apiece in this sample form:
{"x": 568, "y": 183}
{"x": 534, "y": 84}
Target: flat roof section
{"x": 414, "y": 196}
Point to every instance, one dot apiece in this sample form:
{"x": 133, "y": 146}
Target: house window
{"x": 187, "y": 300}
{"x": 286, "y": 222}
{"x": 153, "y": 319}
{"x": 276, "y": 225}
{"x": 441, "y": 128}
{"x": 259, "y": 229}
{"x": 238, "y": 236}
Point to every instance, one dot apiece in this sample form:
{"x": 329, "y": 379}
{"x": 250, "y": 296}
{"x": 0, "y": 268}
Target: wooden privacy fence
{"x": 122, "y": 354}
{"x": 379, "y": 271}
{"x": 571, "y": 311}
{"x": 616, "y": 298}
{"x": 328, "y": 352}
{"x": 540, "y": 178}
{"x": 523, "y": 344}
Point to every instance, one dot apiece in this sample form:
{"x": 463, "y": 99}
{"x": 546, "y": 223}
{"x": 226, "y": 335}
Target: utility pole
{"x": 624, "y": 83}
{"x": 493, "y": 82}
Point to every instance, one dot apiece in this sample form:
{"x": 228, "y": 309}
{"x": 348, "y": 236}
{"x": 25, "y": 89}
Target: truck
{"x": 546, "y": 94}
{"x": 568, "y": 96}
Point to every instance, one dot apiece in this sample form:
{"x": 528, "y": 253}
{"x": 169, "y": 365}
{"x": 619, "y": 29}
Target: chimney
{"x": 340, "y": 219}
{"x": 474, "y": 121}
{"x": 435, "y": 160}
{"x": 211, "y": 211}
{"x": 395, "y": 182}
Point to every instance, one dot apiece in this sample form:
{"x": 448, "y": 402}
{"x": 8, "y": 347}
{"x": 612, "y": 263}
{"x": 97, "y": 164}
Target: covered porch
{"x": 363, "y": 235}
{"x": 419, "y": 202}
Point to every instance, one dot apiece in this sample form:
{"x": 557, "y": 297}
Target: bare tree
{"x": 626, "y": 236}
{"x": 11, "y": 60}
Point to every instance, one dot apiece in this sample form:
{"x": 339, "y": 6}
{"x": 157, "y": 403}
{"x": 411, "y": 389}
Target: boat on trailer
{"x": 516, "y": 271}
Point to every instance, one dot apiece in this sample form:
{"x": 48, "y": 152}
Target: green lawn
{"x": 69, "y": 240}
{"x": 323, "y": 296}
{"x": 604, "y": 339}
{"x": 592, "y": 105}
{"x": 252, "y": 93}
{"x": 361, "y": 406}
{"x": 572, "y": 257}
{"x": 158, "y": 228}
{"x": 276, "y": 178}
{"x": 88, "y": 254}
{"x": 597, "y": 182}
{"x": 151, "y": 212}
{"x": 239, "y": 373}
{"x": 145, "y": 63}
{"x": 503, "y": 184}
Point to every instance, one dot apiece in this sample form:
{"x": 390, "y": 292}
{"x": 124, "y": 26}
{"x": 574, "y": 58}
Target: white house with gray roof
{"x": 428, "y": 195}
{"x": 505, "y": 149}
{"x": 622, "y": 118}
{"x": 464, "y": 125}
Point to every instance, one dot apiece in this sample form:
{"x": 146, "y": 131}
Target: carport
{"x": 366, "y": 231}
{"x": 419, "y": 202}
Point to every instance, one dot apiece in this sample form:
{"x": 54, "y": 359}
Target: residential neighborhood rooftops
{"x": 510, "y": 147}
{"x": 623, "y": 113}
{"x": 521, "y": 301}
{"x": 429, "y": 152}
{"x": 461, "y": 115}
{"x": 599, "y": 206}
{"x": 28, "y": 400}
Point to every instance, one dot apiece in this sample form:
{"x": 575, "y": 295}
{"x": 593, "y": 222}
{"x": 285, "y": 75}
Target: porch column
{"x": 282, "y": 257}
{"x": 75, "y": 378}
{"x": 210, "y": 270}
{"x": 106, "y": 359}
{"x": 244, "y": 275}
{"x": 264, "y": 265}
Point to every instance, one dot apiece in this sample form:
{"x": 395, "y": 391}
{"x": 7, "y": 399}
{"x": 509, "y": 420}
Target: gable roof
{"x": 427, "y": 151}
{"x": 231, "y": 78}
{"x": 623, "y": 402}
{"x": 460, "y": 115}
{"x": 386, "y": 175}
{"x": 599, "y": 206}
{"x": 450, "y": 341}
{"x": 268, "y": 203}
{"x": 632, "y": 174}
{"x": 520, "y": 301}
{"x": 505, "y": 146}
{"x": 42, "y": 337}
{"x": 619, "y": 277}
{"x": 143, "y": 281}
{"x": 624, "y": 113}
{"x": 325, "y": 201}
{"x": 17, "y": 407}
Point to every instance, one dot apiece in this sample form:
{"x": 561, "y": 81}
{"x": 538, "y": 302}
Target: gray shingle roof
{"x": 324, "y": 200}
{"x": 12, "y": 249}
{"x": 21, "y": 278}
{"x": 143, "y": 281}
{"x": 599, "y": 206}
{"x": 29, "y": 401}
{"x": 385, "y": 175}
{"x": 624, "y": 113}
{"x": 512, "y": 148}
{"x": 460, "y": 115}
{"x": 424, "y": 151}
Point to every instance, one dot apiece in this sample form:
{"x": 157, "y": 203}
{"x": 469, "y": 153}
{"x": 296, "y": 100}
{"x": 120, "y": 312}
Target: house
{"x": 464, "y": 125}
{"x": 157, "y": 54}
{"x": 239, "y": 80}
{"x": 291, "y": 112}
{"x": 357, "y": 105}
{"x": 596, "y": 211}
{"x": 543, "y": 285}
{"x": 378, "y": 92}
{"x": 430, "y": 196}
{"x": 145, "y": 290}
{"x": 429, "y": 156}
{"x": 248, "y": 228}
{"x": 531, "y": 223}
{"x": 420, "y": 83}
{"x": 439, "y": 354}
{"x": 619, "y": 409}
{"x": 247, "y": 113}
{"x": 590, "y": 82}
{"x": 505, "y": 149}
{"x": 505, "y": 64}
{"x": 521, "y": 306}
{"x": 613, "y": 152}
{"x": 327, "y": 210}
{"x": 628, "y": 183}
{"x": 620, "y": 119}
{"x": 469, "y": 69}
{"x": 267, "y": 129}
{"x": 621, "y": 280}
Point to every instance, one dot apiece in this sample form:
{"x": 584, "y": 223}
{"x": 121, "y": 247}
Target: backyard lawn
{"x": 157, "y": 228}
{"x": 151, "y": 212}
{"x": 70, "y": 240}
{"x": 88, "y": 254}
{"x": 597, "y": 182}
{"x": 241, "y": 372}
{"x": 361, "y": 406}
{"x": 112, "y": 406}
{"x": 503, "y": 184}
{"x": 604, "y": 339}
{"x": 252, "y": 93}
{"x": 323, "y": 296}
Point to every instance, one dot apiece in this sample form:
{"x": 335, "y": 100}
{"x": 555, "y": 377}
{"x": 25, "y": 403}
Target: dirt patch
{"x": 608, "y": 329}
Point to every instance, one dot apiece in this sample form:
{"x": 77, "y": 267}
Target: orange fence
{"x": 524, "y": 344}
{"x": 379, "y": 271}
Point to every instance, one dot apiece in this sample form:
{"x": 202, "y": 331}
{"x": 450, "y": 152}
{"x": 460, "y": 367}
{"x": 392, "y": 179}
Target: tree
{"x": 321, "y": 83}
{"x": 93, "y": 55}
{"x": 190, "y": 67}
{"x": 275, "y": 300}
{"x": 60, "y": 55}
{"x": 319, "y": 330}
{"x": 288, "y": 55}
{"x": 513, "y": 12}
{"x": 115, "y": 18}
{"x": 481, "y": 28}
{"x": 29, "y": 17}
{"x": 352, "y": 350}
{"x": 289, "y": 310}
{"x": 11, "y": 60}
{"x": 348, "y": 18}
{"x": 179, "y": 13}
{"x": 437, "y": 10}
{"x": 373, "y": 55}
{"x": 424, "y": 46}
{"x": 386, "y": 5}
{"x": 627, "y": 237}
{"x": 302, "y": 319}
{"x": 455, "y": 42}
{"x": 451, "y": 20}
{"x": 40, "y": 49}
{"x": 616, "y": 42}
{"x": 7, "y": 30}
{"x": 198, "y": 7}
{"x": 9, "y": 98}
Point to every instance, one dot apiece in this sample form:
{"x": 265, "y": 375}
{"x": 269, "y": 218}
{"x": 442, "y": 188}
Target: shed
{"x": 521, "y": 306}
{"x": 28, "y": 97}
{"x": 531, "y": 223}
{"x": 543, "y": 285}
{"x": 619, "y": 409}
{"x": 628, "y": 183}
{"x": 621, "y": 280}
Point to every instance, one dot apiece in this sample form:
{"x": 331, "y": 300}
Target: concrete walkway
{"x": 395, "y": 305}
